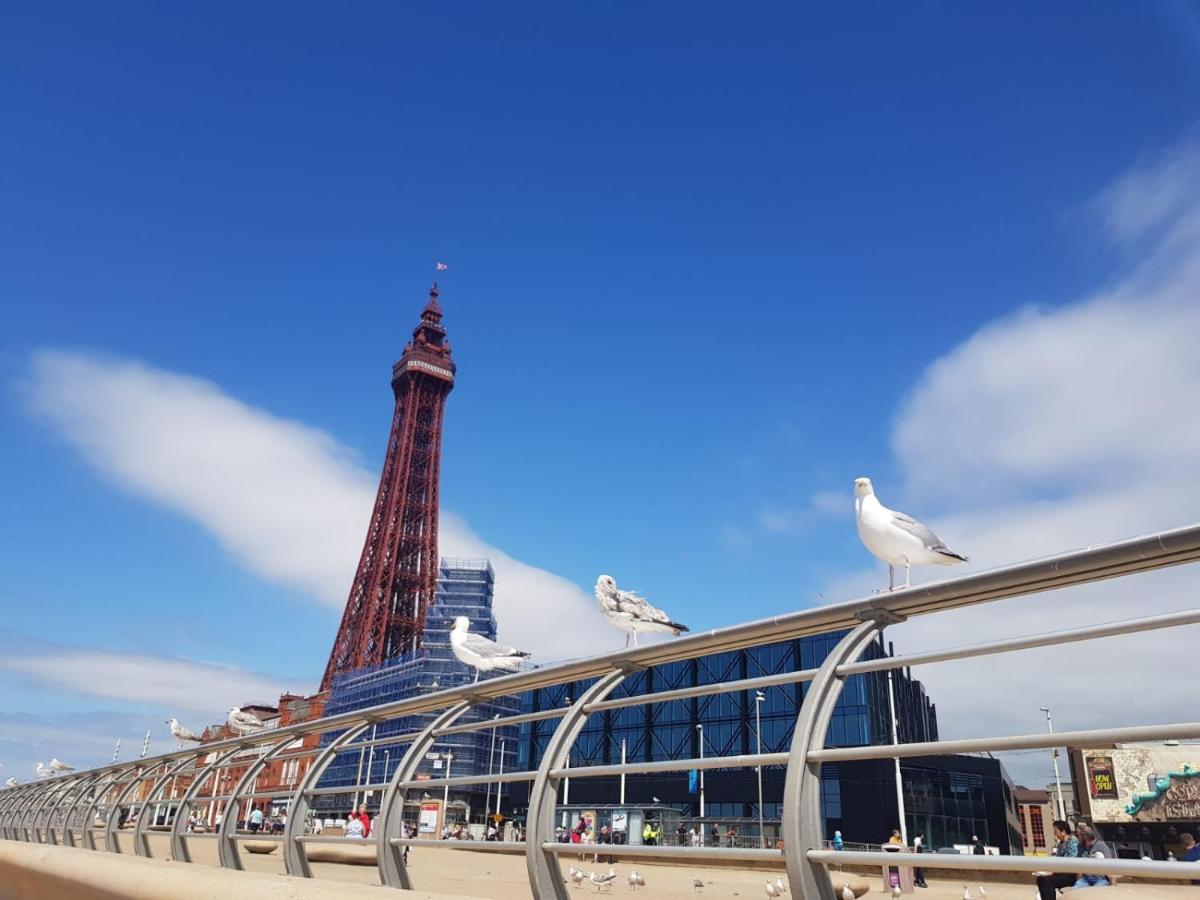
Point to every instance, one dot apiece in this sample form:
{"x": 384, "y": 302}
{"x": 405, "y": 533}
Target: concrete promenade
{"x": 503, "y": 877}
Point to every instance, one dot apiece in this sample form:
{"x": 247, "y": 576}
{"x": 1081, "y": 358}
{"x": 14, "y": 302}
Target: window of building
{"x": 1035, "y": 824}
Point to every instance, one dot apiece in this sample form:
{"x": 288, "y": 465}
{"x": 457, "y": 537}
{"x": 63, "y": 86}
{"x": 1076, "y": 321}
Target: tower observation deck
{"x": 396, "y": 579}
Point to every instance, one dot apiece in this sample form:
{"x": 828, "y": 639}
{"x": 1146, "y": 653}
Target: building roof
{"x": 1031, "y": 795}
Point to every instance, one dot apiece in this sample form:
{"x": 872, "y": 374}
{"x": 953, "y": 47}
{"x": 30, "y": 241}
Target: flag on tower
{"x": 146, "y": 745}
{"x": 117, "y": 751}
{"x": 442, "y": 267}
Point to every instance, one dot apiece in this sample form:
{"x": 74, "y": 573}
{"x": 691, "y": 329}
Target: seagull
{"x": 243, "y": 722}
{"x": 895, "y": 891}
{"x": 43, "y": 771}
{"x": 636, "y": 880}
{"x": 577, "y": 876}
{"x": 656, "y": 800}
{"x": 847, "y": 893}
{"x": 779, "y": 885}
{"x": 483, "y": 654}
{"x": 59, "y": 766}
{"x": 982, "y": 891}
{"x": 629, "y": 612}
{"x": 966, "y": 893}
{"x": 897, "y": 539}
{"x": 698, "y": 884}
{"x": 181, "y": 734}
{"x": 772, "y": 889}
{"x": 11, "y": 782}
{"x": 603, "y": 881}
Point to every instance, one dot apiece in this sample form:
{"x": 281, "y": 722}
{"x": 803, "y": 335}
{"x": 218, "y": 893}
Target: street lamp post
{"x": 622, "y": 771}
{"x": 491, "y": 763}
{"x": 700, "y": 732}
{"x": 1062, "y": 809}
{"x": 896, "y": 762}
{"x": 759, "y": 699}
{"x": 499, "y": 785}
{"x": 446, "y": 794}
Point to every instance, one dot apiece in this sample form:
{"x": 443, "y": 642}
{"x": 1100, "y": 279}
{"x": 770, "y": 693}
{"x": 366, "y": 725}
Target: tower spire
{"x": 396, "y": 579}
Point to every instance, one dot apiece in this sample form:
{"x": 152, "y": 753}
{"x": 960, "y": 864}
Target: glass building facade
{"x": 465, "y": 588}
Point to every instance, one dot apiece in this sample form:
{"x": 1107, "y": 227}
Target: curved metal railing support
{"x": 77, "y": 790}
{"x": 295, "y": 859}
{"x": 26, "y": 813}
{"x": 53, "y": 793}
{"x": 16, "y": 810}
{"x": 801, "y": 825}
{"x": 392, "y": 870}
{"x": 89, "y": 837}
{"x": 545, "y": 876}
{"x": 227, "y": 848}
{"x": 141, "y": 843}
{"x": 11, "y": 801}
{"x": 179, "y": 848}
{"x": 112, "y": 822}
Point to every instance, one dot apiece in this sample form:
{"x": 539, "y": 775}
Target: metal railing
{"x": 63, "y": 809}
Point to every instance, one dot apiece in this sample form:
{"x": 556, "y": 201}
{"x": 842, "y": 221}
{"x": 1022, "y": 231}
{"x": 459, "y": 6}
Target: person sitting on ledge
{"x": 1090, "y": 845}
{"x": 1067, "y": 846}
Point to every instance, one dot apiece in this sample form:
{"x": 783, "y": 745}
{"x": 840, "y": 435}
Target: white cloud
{"x": 284, "y": 499}
{"x": 167, "y": 683}
{"x": 1058, "y": 428}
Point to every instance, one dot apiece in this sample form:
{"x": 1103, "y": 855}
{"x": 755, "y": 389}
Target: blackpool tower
{"x": 396, "y": 581}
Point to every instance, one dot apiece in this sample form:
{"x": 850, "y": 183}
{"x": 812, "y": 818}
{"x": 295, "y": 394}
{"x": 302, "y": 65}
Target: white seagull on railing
{"x": 243, "y": 722}
{"x": 631, "y": 613}
{"x": 897, "y": 539}
{"x": 59, "y": 766}
{"x": 181, "y": 734}
{"x": 484, "y": 655}
{"x": 43, "y": 771}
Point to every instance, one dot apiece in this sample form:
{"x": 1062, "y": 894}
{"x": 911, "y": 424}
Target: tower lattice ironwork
{"x": 397, "y": 574}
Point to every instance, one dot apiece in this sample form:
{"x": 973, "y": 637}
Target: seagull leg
{"x": 907, "y": 571}
{"x": 891, "y": 577}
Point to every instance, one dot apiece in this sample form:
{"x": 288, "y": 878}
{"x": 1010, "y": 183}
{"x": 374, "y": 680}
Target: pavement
{"x": 503, "y": 877}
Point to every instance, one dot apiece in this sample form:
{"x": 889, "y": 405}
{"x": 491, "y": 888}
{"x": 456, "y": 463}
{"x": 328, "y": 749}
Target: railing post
{"x": 89, "y": 838}
{"x": 141, "y": 844}
{"x": 545, "y": 876}
{"x": 802, "y": 786}
{"x": 392, "y": 870}
{"x": 79, "y": 787}
{"x": 113, "y": 820}
{"x": 179, "y": 848}
{"x": 227, "y": 849}
{"x": 295, "y": 858}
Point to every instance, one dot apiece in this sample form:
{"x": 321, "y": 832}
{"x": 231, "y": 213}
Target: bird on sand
{"x": 698, "y": 884}
{"x": 484, "y": 655}
{"x": 966, "y": 893}
{"x": 59, "y": 766}
{"x": 243, "y": 722}
{"x": 181, "y": 734}
{"x": 576, "y": 875}
{"x": 895, "y": 891}
{"x": 636, "y": 879}
{"x": 897, "y": 539}
{"x": 982, "y": 891}
{"x": 631, "y": 613}
{"x": 603, "y": 881}
{"x": 43, "y": 771}
{"x": 772, "y": 890}
{"x": 779, "y": 886}
{"x": 847, "y": 892}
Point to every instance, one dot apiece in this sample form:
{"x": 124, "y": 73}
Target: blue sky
{"x": 706, "y": 266}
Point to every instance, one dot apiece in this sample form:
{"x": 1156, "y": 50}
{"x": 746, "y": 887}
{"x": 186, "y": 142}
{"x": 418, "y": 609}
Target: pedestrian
{"x": 256, "y": 817}
{"x": 1066, "y": 846}
{"x": 1191, "y": 850}
{"x": 731, "y": 835}
{"x": 838, "y": 843}
{"x": 895, "y": 840}
{"x": 1090, "y": 845}
{"x": 919, "y": 847}
{"x": 491, "y": 833}
{"x": 695, "y": 837}
{"x": 681, "y": 835}
{"x": 715, "y": 834}
{"x": 354, "y": 828}
{"x": 977, "y": 846}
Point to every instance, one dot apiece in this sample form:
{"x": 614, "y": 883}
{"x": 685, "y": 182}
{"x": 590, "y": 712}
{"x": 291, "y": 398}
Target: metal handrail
{"x": 862, "y": 620}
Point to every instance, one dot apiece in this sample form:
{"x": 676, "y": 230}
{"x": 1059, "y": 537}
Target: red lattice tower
{"x": 397, "y": 574}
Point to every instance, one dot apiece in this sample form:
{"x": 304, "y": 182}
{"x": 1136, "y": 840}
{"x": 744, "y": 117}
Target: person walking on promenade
{"x": 838, "y": 843}
{"x": 977, "y": 846}
{"x": 256, "y": 817}
{"x": 919, "y": 847}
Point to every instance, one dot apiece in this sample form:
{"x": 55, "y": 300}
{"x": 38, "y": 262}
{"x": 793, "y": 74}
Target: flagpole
{"x": 116, "y": 751}
{"x": 146, "y": 745}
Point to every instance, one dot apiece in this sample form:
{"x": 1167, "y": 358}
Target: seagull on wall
{"x": 181, "y": 734}
{"x": 43, "y": 771}
{"x": 482, "y": 654}
{"x": 59, "y": 766}
{"x": 11, "y": 782}
{"x": 631, "y": 613}
{"x": 897, "y": 539}
{"x": 243, "y": 722}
